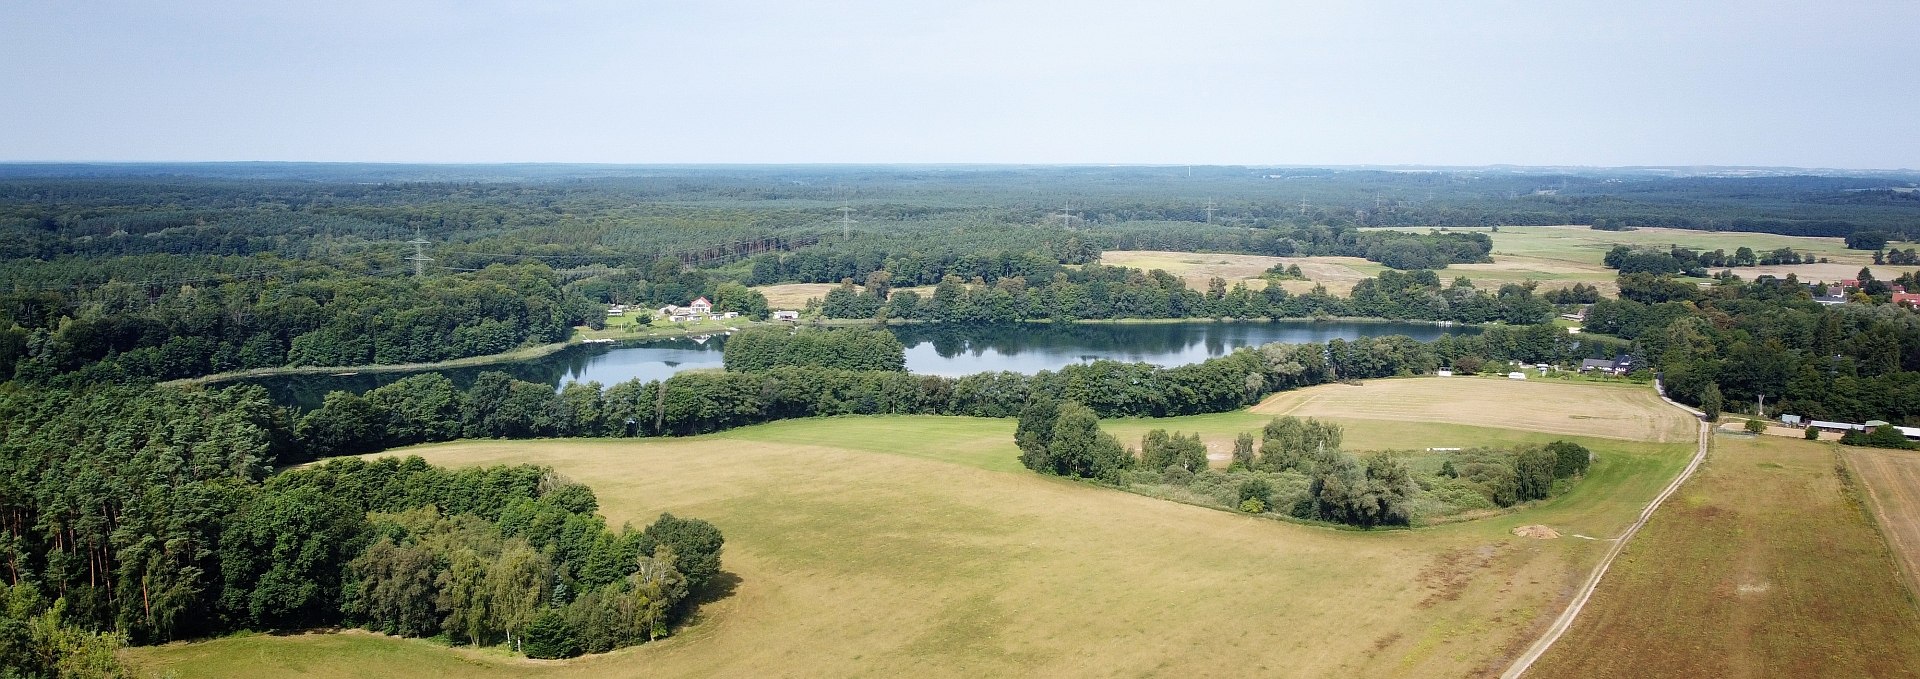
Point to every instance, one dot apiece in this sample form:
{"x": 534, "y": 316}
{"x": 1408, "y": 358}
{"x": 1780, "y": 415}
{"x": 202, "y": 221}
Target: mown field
{"x": 1891, "y": 481}
{"x": 1555, "y": 256}
{"x": 1763, "y": 565}
{"x": 890, "y": 546}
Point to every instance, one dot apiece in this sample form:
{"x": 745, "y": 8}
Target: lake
{"x": 931, "y": 350}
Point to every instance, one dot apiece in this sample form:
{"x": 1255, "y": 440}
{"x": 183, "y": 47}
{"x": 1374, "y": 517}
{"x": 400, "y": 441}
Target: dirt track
{"x": 1560, "y": 624}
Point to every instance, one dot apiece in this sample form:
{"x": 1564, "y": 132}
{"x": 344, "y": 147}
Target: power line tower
{"x": 1210, "y": 208}
{"x": 1066, "y": 215}
{"x": 846, "y": 222}
{"x": 1303, "y": 205}
{"x": 419, "y": 257}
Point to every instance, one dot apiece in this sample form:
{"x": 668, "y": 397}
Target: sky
{"x": 1622, "y": 82}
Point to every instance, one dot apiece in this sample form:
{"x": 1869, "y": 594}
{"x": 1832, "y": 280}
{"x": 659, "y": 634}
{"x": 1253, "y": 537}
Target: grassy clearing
{"x": 1761, "y": 566}
{"x": 1891, "y": 480}
{"x": 1629, "y": 412}
{"x": 887, "y": 546}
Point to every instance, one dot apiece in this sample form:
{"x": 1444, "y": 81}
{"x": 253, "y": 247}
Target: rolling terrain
{"x": 916, "y": 545}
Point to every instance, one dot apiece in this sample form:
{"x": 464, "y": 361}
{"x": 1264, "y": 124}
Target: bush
{"x": 1883, "y": 436}
{"x": 1812, "y": 433}
{"x": 1256, "y": 489}
{"x": 1252, "y": 506}
{"x": 549, "y": 636}
{"x": 1570, "y": 459}
{"x": 1756, "y": 427}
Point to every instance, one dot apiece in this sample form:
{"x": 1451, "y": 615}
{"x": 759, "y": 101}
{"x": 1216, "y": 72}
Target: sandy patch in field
{"x": 1536, "y": 531}
{"x": 1620, "y": 412}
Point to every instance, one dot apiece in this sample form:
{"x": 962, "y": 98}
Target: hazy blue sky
{"x": 1462, "y": 83}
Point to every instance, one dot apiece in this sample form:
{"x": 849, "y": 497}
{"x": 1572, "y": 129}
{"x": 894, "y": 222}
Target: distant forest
{"x": 132, "y": 273}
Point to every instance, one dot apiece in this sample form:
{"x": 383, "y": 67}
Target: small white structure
{"x": 730, "y": 314}
{"x": 1516, "y": 376}
{"x": 1444, "y": 372}
{"x": 786, "y": 315}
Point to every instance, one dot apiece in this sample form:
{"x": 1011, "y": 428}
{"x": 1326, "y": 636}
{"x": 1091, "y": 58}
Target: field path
{"x": 1566, "y": 618}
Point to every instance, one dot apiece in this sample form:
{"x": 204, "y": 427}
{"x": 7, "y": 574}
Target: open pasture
{"x": 1891, "y": 482}
{"x": 1761, "y": 566}
{"x": 1628, "y": 412}
{"x": 887, "y": 546}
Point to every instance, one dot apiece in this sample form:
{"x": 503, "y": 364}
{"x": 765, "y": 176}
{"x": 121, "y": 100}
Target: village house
{"x": 701, "y": 307}
{"x": 1618, "y": 365}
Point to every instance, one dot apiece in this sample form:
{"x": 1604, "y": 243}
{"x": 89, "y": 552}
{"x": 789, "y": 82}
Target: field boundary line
{"x": 1565, "y": 621}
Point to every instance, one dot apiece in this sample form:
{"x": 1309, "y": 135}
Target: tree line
{"x": 1100, "y": 292}
{"x": 1739, "y": 340}
{"x": 763, "y": 349}
{"x": 1679, "y": 260}
{"x": 145, "y": 515}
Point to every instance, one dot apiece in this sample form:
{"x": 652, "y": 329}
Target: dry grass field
{"x": 1891, "y": 481}
{"x": 1629, "y": 412}
{"x": 793, "y": 295}
{"x": 889, "y": 546}
{"x": 1762, "y": 566}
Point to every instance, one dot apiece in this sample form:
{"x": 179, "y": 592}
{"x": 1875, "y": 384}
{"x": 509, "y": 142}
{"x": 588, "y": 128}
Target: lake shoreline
{"x": 583, "y": 336}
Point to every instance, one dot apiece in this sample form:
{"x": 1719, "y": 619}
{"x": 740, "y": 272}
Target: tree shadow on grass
{"x": 720, "y": 586}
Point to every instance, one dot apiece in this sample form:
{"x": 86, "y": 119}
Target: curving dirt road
{"x": 1565, "y": 620}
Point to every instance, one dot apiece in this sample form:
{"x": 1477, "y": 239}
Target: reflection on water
{"x": 931, "y": 350}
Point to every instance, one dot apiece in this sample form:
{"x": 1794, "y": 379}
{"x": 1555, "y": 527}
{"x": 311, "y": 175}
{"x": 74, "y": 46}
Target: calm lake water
{"x": 931, "y": 350}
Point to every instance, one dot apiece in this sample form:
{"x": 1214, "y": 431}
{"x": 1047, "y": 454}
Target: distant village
{"x": 697, "y": 310}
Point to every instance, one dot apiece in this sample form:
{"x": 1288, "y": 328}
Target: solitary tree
{"x": 1710, "y": 402}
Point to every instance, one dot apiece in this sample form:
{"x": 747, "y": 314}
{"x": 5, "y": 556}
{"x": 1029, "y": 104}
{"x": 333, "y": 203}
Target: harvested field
{"x": 1194, "y": 267}
{"x": 793, "y": 295}
{"x": 1891, "y": 481}
{"x": 1761, "y": 566}
{"x": 1628, "y": 412}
